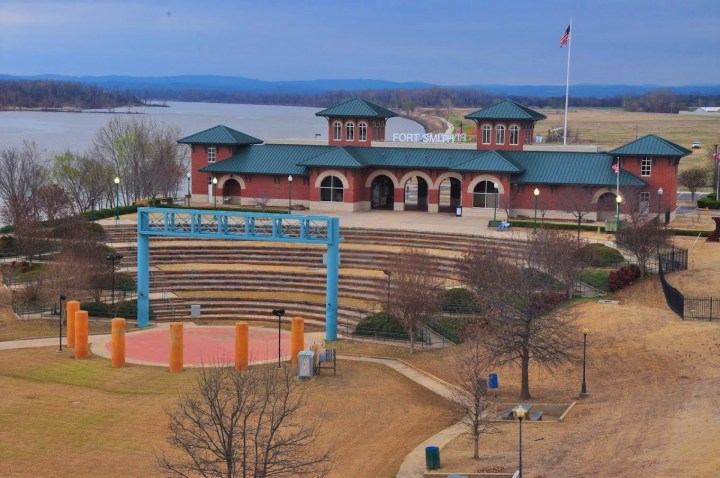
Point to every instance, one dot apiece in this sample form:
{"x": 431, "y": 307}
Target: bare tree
{"x": 473, "y": 403}
{"x": 560, "y": 255}
{"x": 523, "y": 321}
{"x": 244, "y": 424}
{"x": 416, "y": 290}
{"x": 693, "y": 179}
{"x": 578, "y": 202}
{"x": 21, "y": 176}
{"x": 84, "y": 179}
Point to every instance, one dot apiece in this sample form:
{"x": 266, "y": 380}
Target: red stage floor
{"x": 204, "y": 345}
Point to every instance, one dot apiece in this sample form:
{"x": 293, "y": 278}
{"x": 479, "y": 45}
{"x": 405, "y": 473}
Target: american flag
{"x": 616, "y": 168}
{"x": 565, "y": 38}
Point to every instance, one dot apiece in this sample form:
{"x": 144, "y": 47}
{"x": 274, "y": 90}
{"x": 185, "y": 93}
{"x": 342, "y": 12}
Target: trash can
{"x": 493, "y": 381}
{"x": 432, "y": 457}
{"x": 458, "y": 211}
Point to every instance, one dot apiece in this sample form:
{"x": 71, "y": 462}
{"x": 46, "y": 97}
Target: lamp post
{"x": 387, "y": 306}
{"x": 583, "y": 389}
{"x": 117, "y": 199}
{"x": 62, "y": 299}
{"x": 520, "y": 413}
{"x": 215, "y": 181}
{"x": 113, "y": 258}
{"x": 497, "y": 191}
{"x": 536, "y": 193}
{"x": 279, "y": 313}
{"x": 290, "y": 178}
{"x": 618, "y": 200}
{"x": 660, "y": 194}
{"x": 189, "y": 194}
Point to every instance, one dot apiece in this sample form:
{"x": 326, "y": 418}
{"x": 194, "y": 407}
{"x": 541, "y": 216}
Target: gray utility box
{"x": 306, "y": 367}
{"x": 195, "y": 310}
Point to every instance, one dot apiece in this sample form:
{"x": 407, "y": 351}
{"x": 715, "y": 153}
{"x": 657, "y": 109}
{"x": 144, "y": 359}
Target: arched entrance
{"x": 383, "y": 193}
{"x": 606, "y": 205}
{"x": 449, "y": 195}
{"x": 416, "y": 194}
{"x": 232, "y": 192}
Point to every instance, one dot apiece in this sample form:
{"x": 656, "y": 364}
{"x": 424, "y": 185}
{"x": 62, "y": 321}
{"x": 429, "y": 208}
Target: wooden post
{"x": 241, "y": 345}
{"x": 297, "y": 338}
{"x": 72, "y": 306}
{"x": 176, "y": 347}
{"x": 81, "y": 334}
{"x": 117, "y": 359}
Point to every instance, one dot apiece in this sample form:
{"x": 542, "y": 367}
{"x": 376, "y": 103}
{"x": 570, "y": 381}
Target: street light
{"x": 290, "y": 178}
{"x": 618, "y": 200}
{"x": 520, "y": 413}
{"x": 62, "y": 298}
{"x": 189, "y": 194}
{"x": 583, "y": 390}
{"x": 660, "y": 194}
{"x": 387, "y": 307}
{"x": 497, "y": 191}
{"x": 117, "y": 199}
{"x": 113, "y": 258}
{"x": 215, "y": 181}
{"x": 536, "y": 193}
{"x": 279, "y": 313}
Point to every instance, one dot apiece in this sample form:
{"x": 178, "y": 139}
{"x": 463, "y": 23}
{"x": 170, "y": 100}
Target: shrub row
{"x": 623, "y": 277}
{"x": 126, "y": 309}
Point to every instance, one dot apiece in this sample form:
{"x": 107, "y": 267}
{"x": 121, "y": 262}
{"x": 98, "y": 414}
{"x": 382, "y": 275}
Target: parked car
{"x": 696, "y": 145}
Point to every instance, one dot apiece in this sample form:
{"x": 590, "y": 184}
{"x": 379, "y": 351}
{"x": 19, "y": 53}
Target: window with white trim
{"x": 500, "y": 134}
{"x": 212, "y": 154}
{"x": 485, "y": 195}
{"x": 514, "y": 135}
{"x": 331, "y": 189}
{"x": 337, "y": 131}
{"x": 646, "y": 166}
{"x": 644, "y": 202}
{"x": 486, "y": 131}
{"x": 362, "y": 131}
{"x": 350, "y": 131}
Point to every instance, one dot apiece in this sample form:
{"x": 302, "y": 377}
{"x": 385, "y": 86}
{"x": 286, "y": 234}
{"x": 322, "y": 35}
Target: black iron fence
{"x": 702, "y": 308}
{"x": 688, "y": 308}
{"x": 674, "y": 298}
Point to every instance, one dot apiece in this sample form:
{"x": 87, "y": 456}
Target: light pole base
{"x": 584, "y": 394}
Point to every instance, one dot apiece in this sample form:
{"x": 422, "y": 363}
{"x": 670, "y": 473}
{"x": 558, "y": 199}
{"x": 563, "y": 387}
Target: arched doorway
{"x": 449, "y": 195}
{"x": 416, "y": 194}
{"x": 606, "y": 205}
{"x": 383, "y": 193}
{"x": 232, "y": 192}
{"x": 485, "y": 195}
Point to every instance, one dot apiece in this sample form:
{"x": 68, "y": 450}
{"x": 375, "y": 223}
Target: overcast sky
{"x": 450, "y": 42}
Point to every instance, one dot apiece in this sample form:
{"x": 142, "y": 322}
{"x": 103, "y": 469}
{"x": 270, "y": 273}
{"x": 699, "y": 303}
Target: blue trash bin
{"x": 432, "y": 457}
{"x": 493, "y": 381}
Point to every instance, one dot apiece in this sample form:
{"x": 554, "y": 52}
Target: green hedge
{"x": 459, "y": 300}
{"x": 380, "y": 324}
{"x": 709, "y": 202}
{"x": 126, "y": 309}
{"x": 105, "y": 213}
{"x": 604, "y": 256}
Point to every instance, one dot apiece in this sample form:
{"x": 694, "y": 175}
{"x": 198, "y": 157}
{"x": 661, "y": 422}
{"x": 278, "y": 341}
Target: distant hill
{"x": 168, "y": 84}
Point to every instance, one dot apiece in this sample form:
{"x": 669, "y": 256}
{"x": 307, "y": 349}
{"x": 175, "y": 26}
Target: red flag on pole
{"x": 565, "y": 38}
{"x": 616, "y": 168}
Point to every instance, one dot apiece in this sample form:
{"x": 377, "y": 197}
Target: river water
{"x": 55, "y": 132}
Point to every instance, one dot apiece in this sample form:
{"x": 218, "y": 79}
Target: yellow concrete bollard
{"x": 117, "y": 359}
{"x": 81, "y": 334}
{"x": 72, "y": 306}
{"x": 297, "y": 338}
{"x": 242, "y": 344}
{"x": 176, "y": 347}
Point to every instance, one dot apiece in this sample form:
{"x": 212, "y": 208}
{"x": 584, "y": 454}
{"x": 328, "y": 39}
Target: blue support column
{"x": 143, "y": 280}
{"x": 333, "y": 264}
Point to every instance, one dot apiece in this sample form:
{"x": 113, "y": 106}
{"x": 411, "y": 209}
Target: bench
{"x": 508, "y": 414}
{"x": 536, "y": 417}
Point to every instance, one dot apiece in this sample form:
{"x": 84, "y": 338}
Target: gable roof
{"x": 506, "y": 110}
{"x": 651, "y": 145}
{"x": 281, "y": 159}
{"x": 357, "y": 108}
{"x": 494, "y": 161}
{"x": 220, "y": 135}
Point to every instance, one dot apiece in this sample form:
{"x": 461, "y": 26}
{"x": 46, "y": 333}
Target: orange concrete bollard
{"x": 242, "y": 345}
{"x": 81, "y": 334}
{"x": 176, "y": 347}
{"x": 297, "y": 337}
{"x": 117, "y": 358}
{"x": 72, "y": 306}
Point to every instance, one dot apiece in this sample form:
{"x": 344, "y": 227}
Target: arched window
{"x": 337, "y": 131}
{"x": 486, "y": 131}
{"x": 331, "y": 189}
{"x": 514, "y": 135}
{"x": 350, "y": 131}
{"x": 362, "y": 131}
{"x": 485, "y": 195}
{"x": 499, "y": 134}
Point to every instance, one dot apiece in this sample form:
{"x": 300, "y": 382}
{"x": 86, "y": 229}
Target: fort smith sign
{"x": 429, "y": 138}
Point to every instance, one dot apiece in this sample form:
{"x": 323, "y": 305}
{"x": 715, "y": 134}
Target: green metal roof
{"x": 651, "y": 145}
{"x": 280, "y": 159}
{"x": 220, "y": 135}
{"x": 494, "y": 161}
{"x": 336, "y": 157}
{"x": 357, "y": 108}
{"x": 506, "y": 110}
{"x": 546, "y": 167}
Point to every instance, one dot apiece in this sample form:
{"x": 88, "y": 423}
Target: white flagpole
{"x": 567, "y": 84}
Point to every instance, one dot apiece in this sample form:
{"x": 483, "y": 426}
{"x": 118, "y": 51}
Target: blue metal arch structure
{"x": 242, "y": 226}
